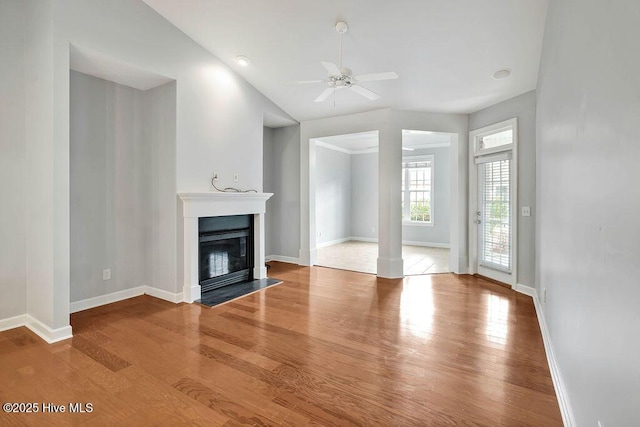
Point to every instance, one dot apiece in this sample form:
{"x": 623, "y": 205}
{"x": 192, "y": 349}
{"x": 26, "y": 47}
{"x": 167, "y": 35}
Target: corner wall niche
{"x": 122, "y": 189}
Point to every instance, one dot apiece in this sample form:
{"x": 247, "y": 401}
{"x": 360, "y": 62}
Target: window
{"x": 495, "y": 140}
{"x": 417, "y": 194}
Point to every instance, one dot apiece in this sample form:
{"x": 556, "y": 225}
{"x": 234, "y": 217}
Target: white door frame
{"x": 474, "y": 138}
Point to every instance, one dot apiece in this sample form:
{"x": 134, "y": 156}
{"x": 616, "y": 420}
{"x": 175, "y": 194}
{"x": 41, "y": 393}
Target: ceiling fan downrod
{"x": 341, "y": 28}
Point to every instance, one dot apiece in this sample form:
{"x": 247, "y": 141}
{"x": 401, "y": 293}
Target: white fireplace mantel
{"x": 199, "y": 205}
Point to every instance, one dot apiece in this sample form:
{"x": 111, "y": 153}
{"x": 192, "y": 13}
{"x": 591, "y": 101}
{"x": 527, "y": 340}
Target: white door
{"x": 493, "y": 189}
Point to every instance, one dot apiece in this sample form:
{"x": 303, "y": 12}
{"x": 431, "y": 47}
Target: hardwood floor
{"x": 326, "y": 347}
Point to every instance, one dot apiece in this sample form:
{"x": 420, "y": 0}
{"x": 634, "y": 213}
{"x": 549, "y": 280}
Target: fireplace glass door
{"x": 225, "y": 257}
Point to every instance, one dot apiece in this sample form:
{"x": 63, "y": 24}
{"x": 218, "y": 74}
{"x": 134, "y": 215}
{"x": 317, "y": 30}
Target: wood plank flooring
{"x": 326, "y": 347}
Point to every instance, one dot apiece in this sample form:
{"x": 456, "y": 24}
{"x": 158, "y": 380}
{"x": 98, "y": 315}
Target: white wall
{"x": 522, "y": 107}
{"x": 47, "y": 153}
{"x": 282, "y": 178}
{"x": 333, "y": 195}
{"x": 219, "y": 114}
{"x": 439, "y": 232}
{"x": 364, "y": 195}
{"x": 13, "y": 224}
{"x": 587, "y": 229}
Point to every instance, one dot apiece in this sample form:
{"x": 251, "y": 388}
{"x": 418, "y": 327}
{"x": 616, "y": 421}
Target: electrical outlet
{"x": 106, "y": 274}
{"x": 235, "y": 177}
{"x": 526, "y": 211}
{"x": 215, "y": 176}
{"x": 373, "y": 229}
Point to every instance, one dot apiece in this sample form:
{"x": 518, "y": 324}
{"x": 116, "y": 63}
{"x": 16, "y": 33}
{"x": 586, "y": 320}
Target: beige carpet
{"x": 362, "y": 256}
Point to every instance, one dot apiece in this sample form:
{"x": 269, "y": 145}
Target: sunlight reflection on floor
{"x": 416, "y": 306}
{"x": 497, "y": 327}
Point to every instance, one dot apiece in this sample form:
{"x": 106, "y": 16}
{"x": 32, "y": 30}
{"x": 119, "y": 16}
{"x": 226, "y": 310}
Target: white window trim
{"x": 422, "y": 158}
{"x": 490, "y": 130}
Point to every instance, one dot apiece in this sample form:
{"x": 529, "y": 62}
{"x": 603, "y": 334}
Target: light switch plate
{"x": 526, "y": 211}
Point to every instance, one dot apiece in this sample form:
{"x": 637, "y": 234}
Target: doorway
{"x": 426, "y": 201}
{"x": 493, "y": 201}
{"x": 346, "y": 208}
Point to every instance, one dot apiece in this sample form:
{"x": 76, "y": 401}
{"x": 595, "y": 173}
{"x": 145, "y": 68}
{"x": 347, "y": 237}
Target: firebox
{"x": 226, "y": 250}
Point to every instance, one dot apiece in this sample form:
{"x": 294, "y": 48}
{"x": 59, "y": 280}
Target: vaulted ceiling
{"x": 444, "y": 51}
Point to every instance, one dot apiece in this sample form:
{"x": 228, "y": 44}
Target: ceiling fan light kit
{"x": 340, "y": 77}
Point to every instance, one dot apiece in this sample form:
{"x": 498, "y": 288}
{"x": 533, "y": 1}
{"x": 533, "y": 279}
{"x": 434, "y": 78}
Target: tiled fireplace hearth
{"x": 200, "y": 205}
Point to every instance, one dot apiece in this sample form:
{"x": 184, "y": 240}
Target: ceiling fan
{"x": 340, "y": 78}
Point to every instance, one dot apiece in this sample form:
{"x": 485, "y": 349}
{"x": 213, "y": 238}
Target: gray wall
{"x": 524, "y": 108}
{"x": 282, "y": 177}
{"x": 159, "y": 136}
{"x": 110, "y": 188}
{"x": 13, "y": 226}
{"x": 269, "y": 176}
{"x": 438, "y": 233}
{"x": 364, "y": 195}
{"x": 122, "y": 183}
{"x": 587, "y": 229}
{"x": 333, "y": 195}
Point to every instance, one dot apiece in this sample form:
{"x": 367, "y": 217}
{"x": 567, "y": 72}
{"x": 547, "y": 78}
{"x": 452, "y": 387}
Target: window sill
{"x": 417, "y": 224}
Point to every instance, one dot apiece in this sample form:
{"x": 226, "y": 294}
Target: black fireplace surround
{"x": 226, "y": 250}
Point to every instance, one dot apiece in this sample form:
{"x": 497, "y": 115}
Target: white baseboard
{"x": 404, "y": 242}
{"x": 165, "y": 295}
{"x": 54, "y": 335}
{"x": 37, "y": 327}
{"x": 13, "y": 322}
{"x": 558, "y": 384}
{"x": 364, "y": 239}
{"x": 426, "y": 244}
{"x": 333, "y": 242}
{"x": 524, "y": 289}
{"x": 191, "y": 293}
{"x": 282, "y": 258}
{"x": 45, "y": 332}
{"x": 88, "y": 303}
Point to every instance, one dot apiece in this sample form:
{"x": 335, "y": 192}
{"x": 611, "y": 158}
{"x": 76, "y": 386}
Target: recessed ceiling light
{"x": 243, "y": 60}
{"x": 501, "y": 74}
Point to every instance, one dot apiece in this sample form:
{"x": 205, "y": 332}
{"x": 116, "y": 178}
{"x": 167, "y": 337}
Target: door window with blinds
{"x": 494, "y": 200}
{"x": 417, "y": 189}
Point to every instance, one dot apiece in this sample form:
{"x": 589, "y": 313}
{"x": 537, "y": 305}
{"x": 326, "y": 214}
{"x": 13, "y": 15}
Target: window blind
{"x": 496, "y": 219}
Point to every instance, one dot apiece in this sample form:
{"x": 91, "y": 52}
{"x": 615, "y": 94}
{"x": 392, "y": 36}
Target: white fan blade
{"x": 377, "y": 76}
{"x": 302, "y": 82}
{"x": 324, "y": 95}
{"x": 365, "y": 92}
{"x": 331, "y": 68}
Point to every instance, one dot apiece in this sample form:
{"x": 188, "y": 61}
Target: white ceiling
{"x": 444, "y": 51}
{"x": 99, "y": 65}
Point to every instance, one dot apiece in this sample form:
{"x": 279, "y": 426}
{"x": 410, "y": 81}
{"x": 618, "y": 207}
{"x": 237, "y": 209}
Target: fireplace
{"x": 225, "y": 250}
{"x": 196, "y": 206}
